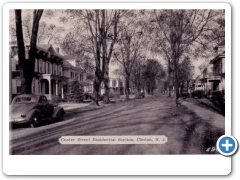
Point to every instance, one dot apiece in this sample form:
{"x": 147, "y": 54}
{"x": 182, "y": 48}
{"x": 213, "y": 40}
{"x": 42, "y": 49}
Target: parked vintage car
{"x": 32, "y": 109}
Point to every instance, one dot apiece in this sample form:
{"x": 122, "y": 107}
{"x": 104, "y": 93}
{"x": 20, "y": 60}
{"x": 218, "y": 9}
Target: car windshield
{"x": 23, "y": 99}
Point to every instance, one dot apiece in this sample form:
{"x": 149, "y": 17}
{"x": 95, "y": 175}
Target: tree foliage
{"x": 48, "y": 33}
{"x": 131, "y": 43}
{"x": 183, "y": 32}
{"x": 97, "y": 30}
{"x": 152, "y": 71}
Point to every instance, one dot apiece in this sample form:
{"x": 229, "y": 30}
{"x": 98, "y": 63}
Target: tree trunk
{"x": 152, "y": 91}
{"x": 21, "y": 49}
{"x": 127, "y": 84}
{"x": 27, "y": 65}
{"x": 176, "y": 85}
{"x": 169, "y": 90}
{"x": 30, "y": 63}
{"x": 96, "y": 87}
{"x": 169, "y": 78}
{"x": 106, "y": 84}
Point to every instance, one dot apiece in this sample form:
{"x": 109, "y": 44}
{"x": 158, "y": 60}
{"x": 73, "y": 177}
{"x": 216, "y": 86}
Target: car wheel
{"x": 60, "y": 115}
{"x": 35, "y": 122}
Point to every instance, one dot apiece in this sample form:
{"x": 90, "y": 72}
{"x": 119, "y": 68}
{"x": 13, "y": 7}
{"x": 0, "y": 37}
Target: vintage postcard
{"x": 113, "y": 79}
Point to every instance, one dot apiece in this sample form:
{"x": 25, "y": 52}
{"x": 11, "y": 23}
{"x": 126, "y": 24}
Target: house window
{"x": 43, "y": 67}
{"x": 36, "y": 65}
{"x": 33, "y": 85}
{"x": 17, "y": 67}
{"x": 18, "y": 89}
{"x": 46, "y": 68}
{"x": 40, "y": 66}
{"x": 81, "y": 77}
{"x": 220, "y": 68}
{"x": 50, "y": 68}
{"x": 114, "y": 83}
{"x": 60, "y": 70}
{"x": 56, "y": 69}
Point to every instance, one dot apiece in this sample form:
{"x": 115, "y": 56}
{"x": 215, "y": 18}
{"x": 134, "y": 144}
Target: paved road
{"x": 186, "y": 132}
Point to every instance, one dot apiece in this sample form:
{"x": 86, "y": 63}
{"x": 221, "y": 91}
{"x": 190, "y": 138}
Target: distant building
{"x": 207, "y": 73}
{"x": 116, "y": 86}
{"x": 198, "y": 83}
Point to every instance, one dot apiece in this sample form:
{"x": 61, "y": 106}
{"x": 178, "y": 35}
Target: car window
{"x": 23, "y": 99}
{"x": 43, "y": 99}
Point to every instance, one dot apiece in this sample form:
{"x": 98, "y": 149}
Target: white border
{"x": 114, "y": 165}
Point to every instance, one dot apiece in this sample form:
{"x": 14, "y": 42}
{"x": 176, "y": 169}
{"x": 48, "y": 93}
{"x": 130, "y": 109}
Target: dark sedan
{"x": 32, "y": 109}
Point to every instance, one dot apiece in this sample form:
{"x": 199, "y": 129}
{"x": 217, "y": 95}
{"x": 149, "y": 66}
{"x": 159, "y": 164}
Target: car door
{"x": 46, "y": 108}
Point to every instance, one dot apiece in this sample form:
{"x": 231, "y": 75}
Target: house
{"x": 73, "y": 72}
{"x": 206, "y": 84}
{"x": 116, "y": 86}
{"x": 218, "y": 77}
{"x": 48, "y": 78}
{"x": 53, "y": 73}
{"x": 197, "y": 84}
{"x": 212, "y": 78}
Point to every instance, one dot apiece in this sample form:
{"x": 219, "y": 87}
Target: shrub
{"x": 75, "y": 93}
{"x": 197, "y": 93}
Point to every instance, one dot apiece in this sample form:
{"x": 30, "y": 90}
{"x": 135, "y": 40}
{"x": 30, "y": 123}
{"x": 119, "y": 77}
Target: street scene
{"x": 116, "y": 81}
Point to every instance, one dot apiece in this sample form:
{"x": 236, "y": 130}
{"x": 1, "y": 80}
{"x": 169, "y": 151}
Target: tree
{"x": 185, "y": 73}
{"x": 184, "y": 32}
{"x": 50, "y": 33}
{"x": 153, "y": 70}
{"x": 27, "y": 64}
{"x": 137, "y": 75}
{"x": 100, "y": 32}
{"x": 130, "y": 41}
{"x": 47, "y": 33}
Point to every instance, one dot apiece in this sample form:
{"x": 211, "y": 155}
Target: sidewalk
{"x": 71, "y": 106}
{"x": 214, "y": 119}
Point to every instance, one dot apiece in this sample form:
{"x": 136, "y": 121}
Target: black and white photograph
{"x": 116, "y": 81}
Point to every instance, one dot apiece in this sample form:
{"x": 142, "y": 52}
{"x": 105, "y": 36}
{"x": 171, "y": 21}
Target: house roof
{"x": 217, "y": 58}
{"x": 47, "y": 47}
{"x": 222, "y": 43}
{"x": 42, "y": 47}
{"x": 67, "y": 57}
{"x": 68, "y": 65}
{"x": 219, "y": 45}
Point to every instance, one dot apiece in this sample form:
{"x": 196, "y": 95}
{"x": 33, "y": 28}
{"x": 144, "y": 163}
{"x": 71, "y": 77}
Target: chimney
{"x": 57, "y": 49}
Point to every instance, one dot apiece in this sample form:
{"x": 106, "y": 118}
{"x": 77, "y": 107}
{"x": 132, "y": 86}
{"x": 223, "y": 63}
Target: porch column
{"x": 50, "y": 88}
{"x": 56, "y": 88}
{"x": 62, "y": 91}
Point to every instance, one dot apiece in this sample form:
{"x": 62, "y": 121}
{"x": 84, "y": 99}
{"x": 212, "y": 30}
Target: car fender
{"x": 56, "y": 110}
{"x": 31, "y": 112}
